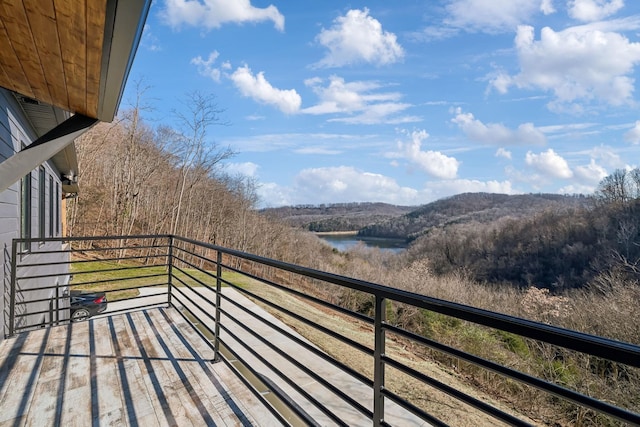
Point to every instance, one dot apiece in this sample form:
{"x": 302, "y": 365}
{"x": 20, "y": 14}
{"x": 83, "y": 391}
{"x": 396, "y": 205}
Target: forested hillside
{"x": 565, "y": 245}
{"x": 139, "y": 179}
{"x": 337, "y": 216}
{"x": 468, "y": 208}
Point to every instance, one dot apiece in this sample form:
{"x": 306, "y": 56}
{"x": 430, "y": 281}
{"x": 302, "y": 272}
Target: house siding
{"x": 15, "y": 131}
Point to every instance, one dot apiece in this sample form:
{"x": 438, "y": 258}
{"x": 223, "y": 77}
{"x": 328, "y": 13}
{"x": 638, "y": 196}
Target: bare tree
{"x": 195, "y": 153}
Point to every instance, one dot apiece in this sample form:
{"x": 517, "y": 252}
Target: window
{"x": 51, "y": 206}
{"x": 42, "y": 193}
{"x": 25, "y": 211}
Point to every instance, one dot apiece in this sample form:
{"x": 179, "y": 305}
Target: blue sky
{"x": 403, "y": 102}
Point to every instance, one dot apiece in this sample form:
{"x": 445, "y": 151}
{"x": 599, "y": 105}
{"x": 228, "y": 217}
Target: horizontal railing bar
{"x": 128, "y": 288}
{"x": 453, "y": 392}
{"x": 78, "y": 273}
{"x": 207, "y": 314}
{"x": 311, "y": 298}
{"x": 336, "y": 363}
{"x": 318, "y": 378}
{"x": 615, "y": 351}
{"x": 197, "y": 255}
{"x": 288, "y": 380}
{"x": 238, "y": 374}
{"x": 354, "y": 344}
{"x": 84, "y": 261}
{"x": 522, "y": 377}
{"x": 42, "y": 288}
{"x": 136, "y": 308}
{"x": 92, "y": 282}
{"x": 43, "y": 276}
{"x": 193, "y": 314}
{"x": 102, "y": 249}
{"x": 34, "y": 301}
{"x": 299, "y": 365}
{"x": 104, "y": 312}
{"x": 118, "y": 279}
{"x": 117, "y": 248}
{"x": 432, "y": 420}
{"x": 208, "y": 273}
{"x": 186, "y": 273}
{"x": 33, "y": 313}
{"x": 347, "y": 369}
{"x": 68, "y": 239}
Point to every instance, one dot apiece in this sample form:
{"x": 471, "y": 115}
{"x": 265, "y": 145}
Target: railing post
{"x": 216, "y": 344}
{"x": 12, "y": 297}
{"x": 378, "y": 368}
{"x": 170, "y": 271}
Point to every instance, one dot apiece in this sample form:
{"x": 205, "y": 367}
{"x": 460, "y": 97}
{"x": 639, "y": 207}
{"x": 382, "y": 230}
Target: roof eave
{"x": 123, "y": 30}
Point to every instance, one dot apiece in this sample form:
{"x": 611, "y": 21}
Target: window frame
{"x": 25, "y": 211}
{"x": 57, "y": 209}
{"x": 51, "y": 206}
{"x": 42, "y": 206}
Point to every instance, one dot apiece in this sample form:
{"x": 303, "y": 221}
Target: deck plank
{"x": 141, "y": 368}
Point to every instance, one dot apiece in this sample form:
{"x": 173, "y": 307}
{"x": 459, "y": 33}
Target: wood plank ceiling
{"x": 52, "y": 51}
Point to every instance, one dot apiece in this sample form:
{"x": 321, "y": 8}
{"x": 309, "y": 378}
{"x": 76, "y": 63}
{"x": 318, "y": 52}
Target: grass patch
{"x": 95, "y": 276}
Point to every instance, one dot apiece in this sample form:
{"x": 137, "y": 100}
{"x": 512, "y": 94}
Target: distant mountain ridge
{"x": 336, "y": 216}
{"x": 407, "y": 222}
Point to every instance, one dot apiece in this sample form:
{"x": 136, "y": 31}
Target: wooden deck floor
{"x": 146, "y": 368}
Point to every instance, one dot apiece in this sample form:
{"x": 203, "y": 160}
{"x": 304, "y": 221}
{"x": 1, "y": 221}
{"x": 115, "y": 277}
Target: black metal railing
{"x": 202, "y": 281}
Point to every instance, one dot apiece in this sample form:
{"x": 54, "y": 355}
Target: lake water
{"x": 344, "y": 242}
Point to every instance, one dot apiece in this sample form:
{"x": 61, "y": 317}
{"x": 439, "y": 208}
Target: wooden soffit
{"x": 70, "y": 54}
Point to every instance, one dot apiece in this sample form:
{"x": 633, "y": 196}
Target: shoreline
{"x": 335, "y": 233}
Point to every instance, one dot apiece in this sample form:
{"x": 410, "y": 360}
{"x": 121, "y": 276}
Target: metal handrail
{"x": 219, "y": 319}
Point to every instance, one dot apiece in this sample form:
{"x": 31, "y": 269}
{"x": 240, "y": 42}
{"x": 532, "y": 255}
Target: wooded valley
{"x": 571, "y": 261}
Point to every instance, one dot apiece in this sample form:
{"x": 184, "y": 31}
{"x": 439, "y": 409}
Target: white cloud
{"x": 439, "y": 189}
{"x": 248, "y": 169}
{"x": 258, "y": 88}
{"x": 361, "y": 101}
{"x": 633, "y": 135}
{"x": 549, "y": 163}
{"x": 501, "y": 152}
{"x": 357, "y": 38}
{"x": 496, "y": 133}
{"x": 579, "y": 64}
{"x": 593, "y": 10}
{"x": 433, "y": 163}
{"x": 206, "y": 68}
{"x": 347, "y": 184}
{"x": 567, "y": 128}
{"x": 317, "y": 150}
{"x": 149, "y": 40}
{"x": 547, "y": 7}
{"x": 577, "y": 189}
{"x": 590, "y": 174}
{"x": 492, "y": 16}
{"x": 214, "y": 13}
{"x": 608, "y": 157}
{"x": 432, "y": 33}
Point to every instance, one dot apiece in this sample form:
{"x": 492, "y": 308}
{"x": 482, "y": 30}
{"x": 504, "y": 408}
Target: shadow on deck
{"x": 140, "y": 368}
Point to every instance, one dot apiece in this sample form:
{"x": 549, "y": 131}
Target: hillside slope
{"x": 482, "y": 208}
